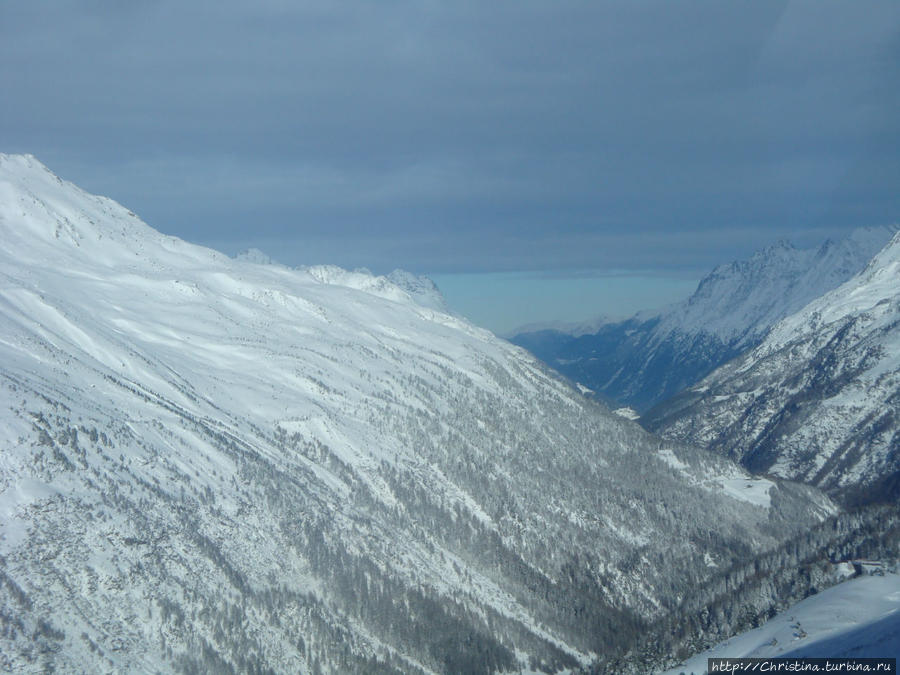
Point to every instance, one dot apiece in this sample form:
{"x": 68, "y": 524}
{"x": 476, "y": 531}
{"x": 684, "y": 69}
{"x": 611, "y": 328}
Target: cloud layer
{"x": 466, "y": 136}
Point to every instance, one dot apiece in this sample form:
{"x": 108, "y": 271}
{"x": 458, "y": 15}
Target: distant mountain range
{"x": 818, "y": 400}
{"x": 218, "y": 465}
{"x": 646, "y": 359}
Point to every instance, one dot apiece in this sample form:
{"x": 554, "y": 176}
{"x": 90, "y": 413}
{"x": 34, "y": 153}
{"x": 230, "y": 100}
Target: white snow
{"x": 840, "y": 356}
{"x": 873, "y": 290}
{"x": 857, "y": 618}
{"x": 23, "y": 492}
{"x": 738, "y": 302}
{"x": 753, "y": 490}
{"x": 225, "y": 384}
{"x": 627, "y": 413}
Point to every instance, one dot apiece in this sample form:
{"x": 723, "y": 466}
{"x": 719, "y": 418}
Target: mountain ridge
{"x": 211, "y": 464}
{"x": 817, "y": 400}
{"x": 641, "y": 361}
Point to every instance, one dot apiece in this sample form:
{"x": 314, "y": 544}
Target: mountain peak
{"x": 254, "y": 255}
{"x": 817, "y": 400}
{"x": 420, "y": 288}
{"x": 44, "y": 218}
{"x": 877, "y": 284}
{"x": 22, "y": 161}
{"x": 780, "y": 246}
{"x": 44, "y": 215}
{"x": 740, "y": 301}
{"x": 650, "y": 357}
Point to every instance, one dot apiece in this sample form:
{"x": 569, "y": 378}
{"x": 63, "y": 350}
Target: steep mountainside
{"x": 858, "y": 618}
{"x": 213, "y": 465}
{"x": 819, "y": 399}
{"x": 646, "y": 359}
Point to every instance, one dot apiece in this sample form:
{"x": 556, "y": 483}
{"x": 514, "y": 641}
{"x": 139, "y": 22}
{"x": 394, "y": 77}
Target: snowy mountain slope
{"x": 739, "y": 302}
{"x": 212, "y": 464}
{"x": 819, "y": 399}
{"x": 420, "y": 289}
{"x": 646, "y": 359}
{"x": 858, "y": 618}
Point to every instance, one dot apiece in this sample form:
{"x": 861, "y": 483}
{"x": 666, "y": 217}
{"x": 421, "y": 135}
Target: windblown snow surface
{"x": 216, "y": 465}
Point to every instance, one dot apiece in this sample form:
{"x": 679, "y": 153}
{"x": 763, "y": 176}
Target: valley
{"x": 227, "y": 465}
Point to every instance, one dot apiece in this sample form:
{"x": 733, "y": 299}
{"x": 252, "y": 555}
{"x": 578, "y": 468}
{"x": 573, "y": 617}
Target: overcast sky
{"x": 451, "y": 138}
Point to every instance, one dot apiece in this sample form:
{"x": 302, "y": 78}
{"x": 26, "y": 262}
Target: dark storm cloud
{"x": 464, "y": 135}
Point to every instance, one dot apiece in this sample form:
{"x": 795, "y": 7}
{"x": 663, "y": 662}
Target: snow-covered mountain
{"x": 420, "y": 289}
{"x": 648, "y": 358}
{"x": 819, "y": 399}
{"x": 217, "y": 465}
{"x": 856, "y": 619}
